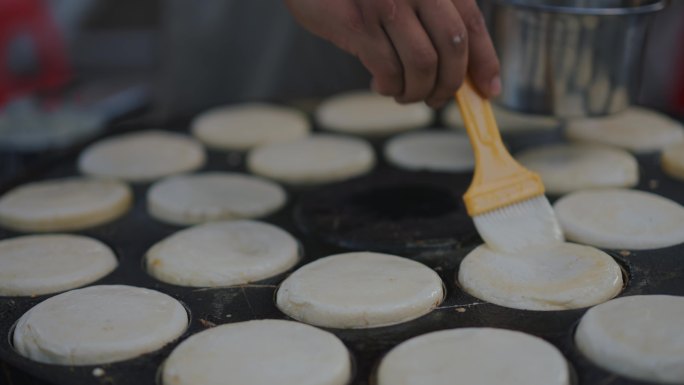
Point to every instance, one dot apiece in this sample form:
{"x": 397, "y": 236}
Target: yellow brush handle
{"x": 499, "y": 180}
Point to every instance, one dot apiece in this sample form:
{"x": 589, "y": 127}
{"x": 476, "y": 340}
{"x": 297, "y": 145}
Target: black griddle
{"x": 417, "y": 215}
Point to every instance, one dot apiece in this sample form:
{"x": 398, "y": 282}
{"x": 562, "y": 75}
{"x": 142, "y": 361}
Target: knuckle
{"x": 476, "y": 23}
{"x": 441, "y": 4}
{"x": 392, "y": 70}
{"x": 424, "y": 61}
{"x": 459, "y": 40}
{"x": 378, "y": 9}
{"x": 383, "y": 65}
{"x": 353, "y": 22}
{"x": 386, "y": 9}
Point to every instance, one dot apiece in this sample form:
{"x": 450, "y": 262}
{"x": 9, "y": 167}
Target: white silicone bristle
{"x": 520, "y": 226}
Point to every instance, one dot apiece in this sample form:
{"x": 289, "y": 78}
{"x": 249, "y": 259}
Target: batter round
{"x": 640, "y": 337}
{"x": 42, "y": 264}
{"x": 64, "y": 204}
{"x": 555, "y": 277}
{"x": 474, "y": 356}
{"x": 360, "y": 290}
{"x": 99, "y": 324}
{"x": 635, "y": 129}
{"x": 621, "y": 219}
{"x": 260, "y": 352}
{"x": 142, "y": 156}
{"x": 223, "y": 254}
{"x": 672, "y": 160}
{"x": 369, "y": 114}
{"x": 319, "y": 158}
{"x": 431, "y": 150}
{"x": 243, "y": 126}
{"x": 570, "y": 167}
{"x": 212, "y": 196}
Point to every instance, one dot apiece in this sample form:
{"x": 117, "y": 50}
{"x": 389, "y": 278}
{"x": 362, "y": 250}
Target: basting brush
{"x": 505, "y": 200}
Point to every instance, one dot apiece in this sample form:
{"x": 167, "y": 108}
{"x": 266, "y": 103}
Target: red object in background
{"x": 31, "y": 18}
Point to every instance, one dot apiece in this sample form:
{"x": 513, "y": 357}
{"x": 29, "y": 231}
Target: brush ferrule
{"x": 482, "y": 198}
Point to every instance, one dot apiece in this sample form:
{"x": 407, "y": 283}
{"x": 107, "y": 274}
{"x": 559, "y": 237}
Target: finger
{"x": 410, "y": 40}
{"x": 377, "y": 54}
{"x": 448, "y": 34}
{"x": 483, "y": 65}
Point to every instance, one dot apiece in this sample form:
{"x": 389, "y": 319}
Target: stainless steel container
{"x": 569, "y": 58}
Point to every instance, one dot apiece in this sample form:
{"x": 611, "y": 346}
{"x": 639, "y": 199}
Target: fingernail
{"x": 495, "y": 86}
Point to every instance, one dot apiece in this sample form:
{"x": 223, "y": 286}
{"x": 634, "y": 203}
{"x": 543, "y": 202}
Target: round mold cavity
{"x": 397, "y": 213}
{"x": 624, "y": 267}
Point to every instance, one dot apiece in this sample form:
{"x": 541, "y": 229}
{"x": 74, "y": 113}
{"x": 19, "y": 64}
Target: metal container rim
{"x": 650, "y": 7}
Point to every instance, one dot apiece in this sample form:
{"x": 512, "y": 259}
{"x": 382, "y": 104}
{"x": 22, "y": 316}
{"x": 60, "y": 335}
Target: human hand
{"x": 416, "y": 50}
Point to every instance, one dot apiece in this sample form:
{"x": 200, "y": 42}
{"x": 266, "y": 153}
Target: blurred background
{"x": 76, "y": 65}
{"x": 192, "y": 55}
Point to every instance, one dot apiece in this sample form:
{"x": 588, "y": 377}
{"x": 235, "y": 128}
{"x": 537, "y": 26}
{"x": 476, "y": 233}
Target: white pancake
{"x": 369, "y": 114}
{"x": 360, "y": 290}
{"x": 213, "y": 196}
{"x": 507, "y": 120}
{"x": 99, "y": 324}
{"x": 319, "y": 158}
{"x": 557, "y": 277}
{"x": 621, "y": 219}
{"x": 672, "y": 160}
{"x": 474, "y": 356}
{"x": 243, "y": 126}
{"x": 260, "y": 352}
{"x": 223, "y": 254}
{"x": 570, "y": 167}
{"x": 640, "y": 337}
{"x": 64, "y": 204}
{"x": 431, "y": 150}
{"x": 42, "y": 264}
{"x": 142, "y": 156}
{"x": 635, "y": 129}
